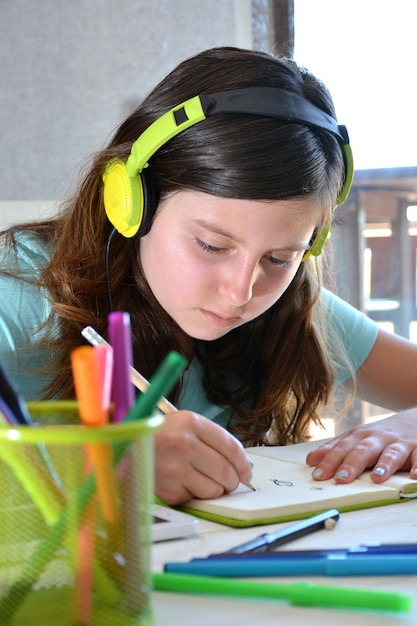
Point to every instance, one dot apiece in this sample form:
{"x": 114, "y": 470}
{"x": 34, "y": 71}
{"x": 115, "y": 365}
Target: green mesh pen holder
{"x": 75, "y": 520}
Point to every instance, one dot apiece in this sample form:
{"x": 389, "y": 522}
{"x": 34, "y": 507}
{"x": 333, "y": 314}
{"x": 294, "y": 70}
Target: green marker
{"x": 164, "y": 378}
{"x": 298, "y": 593}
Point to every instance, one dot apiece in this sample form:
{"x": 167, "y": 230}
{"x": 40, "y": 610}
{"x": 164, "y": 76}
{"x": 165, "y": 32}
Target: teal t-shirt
{"x": 23, "y": 308}
{"x": 356, "y": 331}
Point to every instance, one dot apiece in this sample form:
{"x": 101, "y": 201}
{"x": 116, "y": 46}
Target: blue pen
{"x": 16, "y": 414}
{"x": 267, "y": 541}
{"x": 8, "y": 415}
{"x": 389, "y": 548}
{"x": 333, "y": 565}
{"x": 11, "y": 402}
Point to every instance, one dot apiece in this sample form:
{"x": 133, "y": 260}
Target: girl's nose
{"x": 237, "y": 283}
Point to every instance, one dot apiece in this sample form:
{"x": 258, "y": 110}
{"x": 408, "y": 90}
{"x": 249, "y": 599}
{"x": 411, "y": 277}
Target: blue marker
{"x": 333, "y": 565}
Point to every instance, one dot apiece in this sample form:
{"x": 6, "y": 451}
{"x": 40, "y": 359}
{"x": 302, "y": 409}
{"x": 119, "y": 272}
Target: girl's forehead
{"x": 245, "y": 219}
{"x": 300, "y": 210}
{"x": 200, "y": 201}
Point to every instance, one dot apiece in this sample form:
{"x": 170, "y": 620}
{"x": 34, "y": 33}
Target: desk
{"x": 394, "y": 523}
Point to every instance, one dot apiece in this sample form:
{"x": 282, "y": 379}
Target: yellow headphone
{"x": 129, "y": 199}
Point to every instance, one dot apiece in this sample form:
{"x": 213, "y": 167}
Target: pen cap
{"x": 103, "y": 359}
{"x": 309, "y": 594}
{"x": 87, "y": 374}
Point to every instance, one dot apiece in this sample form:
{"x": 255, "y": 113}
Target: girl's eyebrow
{"x": 216, "y": 228}
{"x": 213, "y": 227}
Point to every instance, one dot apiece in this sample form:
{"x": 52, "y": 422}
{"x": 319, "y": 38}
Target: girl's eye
{"x": 207, "y": 247}
{"x": 280, "y": 262}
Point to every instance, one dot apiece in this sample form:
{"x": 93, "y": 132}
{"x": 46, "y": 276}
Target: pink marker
{"x": 121, "y": 341}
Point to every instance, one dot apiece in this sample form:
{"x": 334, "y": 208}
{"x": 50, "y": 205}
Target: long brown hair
{"x": 273, "y": 373}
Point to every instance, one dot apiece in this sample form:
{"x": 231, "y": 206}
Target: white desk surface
{"x": 395, "y": 523}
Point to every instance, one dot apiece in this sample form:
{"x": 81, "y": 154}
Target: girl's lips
{"x": 219, "y": 320}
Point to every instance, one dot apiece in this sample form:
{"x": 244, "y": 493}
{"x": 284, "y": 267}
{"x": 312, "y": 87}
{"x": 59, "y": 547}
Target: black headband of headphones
{"x": 128, "y": 197}
{"x": 269, "y": 102}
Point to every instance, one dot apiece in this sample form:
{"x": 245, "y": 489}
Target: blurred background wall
{"x": 71, "y": 71}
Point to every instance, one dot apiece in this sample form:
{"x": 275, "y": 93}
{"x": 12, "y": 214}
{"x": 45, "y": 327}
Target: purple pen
{"x": 121, "y": 341}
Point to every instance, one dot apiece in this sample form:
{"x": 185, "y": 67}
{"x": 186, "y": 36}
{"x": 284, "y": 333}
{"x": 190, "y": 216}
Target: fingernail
{"x": 415, "y": 470}
{"x": 318, "y": 473}
{"x": 342, "y": 474}
{"x": 379, "y": 471}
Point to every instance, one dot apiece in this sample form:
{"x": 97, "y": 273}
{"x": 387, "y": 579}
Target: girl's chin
{"x": 207, "y": 334}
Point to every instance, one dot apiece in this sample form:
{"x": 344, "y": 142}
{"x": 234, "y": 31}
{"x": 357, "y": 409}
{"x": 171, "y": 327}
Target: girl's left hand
{"x": 385, "y": 447}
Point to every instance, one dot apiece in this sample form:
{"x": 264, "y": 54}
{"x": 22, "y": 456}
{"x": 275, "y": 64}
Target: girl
{"x": 205, "y": 221}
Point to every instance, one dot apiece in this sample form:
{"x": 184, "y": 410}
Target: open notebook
{"x": 285, "y": 491}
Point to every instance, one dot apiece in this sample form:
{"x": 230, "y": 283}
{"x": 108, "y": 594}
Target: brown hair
{"x": 279, "y": 363}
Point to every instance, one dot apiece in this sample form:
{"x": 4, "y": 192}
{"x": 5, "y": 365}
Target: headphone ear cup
{"x": 318, "y": 242}
{"x": 150, "y": 203}
{"x": 123, "y": 198}
{"x": 349, "y": 174}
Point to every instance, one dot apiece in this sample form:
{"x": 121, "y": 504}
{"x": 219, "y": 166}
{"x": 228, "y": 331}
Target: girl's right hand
{"x": 196, "y": 458}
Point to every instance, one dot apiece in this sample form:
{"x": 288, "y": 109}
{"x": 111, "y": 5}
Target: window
{"x": 365, "y": 51}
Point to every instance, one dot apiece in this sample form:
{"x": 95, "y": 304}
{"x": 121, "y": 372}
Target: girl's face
{"x": 215, "y": 264}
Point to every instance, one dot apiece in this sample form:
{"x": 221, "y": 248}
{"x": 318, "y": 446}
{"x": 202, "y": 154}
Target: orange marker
{"x": 92, "y": 383}
{"x": 85, "y": 567}
{"x": 92, "y": 380}
{"x": 90, "y": 369}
